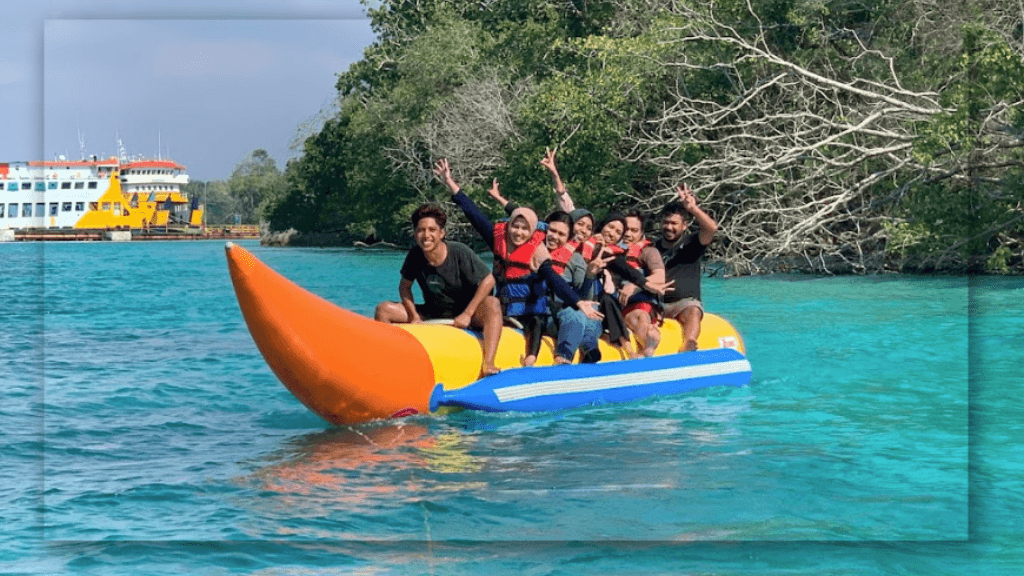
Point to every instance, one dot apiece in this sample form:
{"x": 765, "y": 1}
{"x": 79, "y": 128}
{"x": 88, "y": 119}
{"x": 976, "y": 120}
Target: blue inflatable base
{"x": 566, "y": 386}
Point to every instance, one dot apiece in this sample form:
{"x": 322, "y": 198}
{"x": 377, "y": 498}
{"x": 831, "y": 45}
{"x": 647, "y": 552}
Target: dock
{"x": 162, "y": 233}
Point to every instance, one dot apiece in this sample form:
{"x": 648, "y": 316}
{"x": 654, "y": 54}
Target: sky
{"x": 202, "y": 83}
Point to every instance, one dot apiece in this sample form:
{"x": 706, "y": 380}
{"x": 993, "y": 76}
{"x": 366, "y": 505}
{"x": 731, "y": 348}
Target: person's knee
{"x": 489, "y": 310}
{"x": 492, "y": 306}
{"x": 382, "y": 312}
{"x": 637, "y": 318}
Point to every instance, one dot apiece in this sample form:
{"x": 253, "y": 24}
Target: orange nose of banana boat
{"x": 343, "y": 366}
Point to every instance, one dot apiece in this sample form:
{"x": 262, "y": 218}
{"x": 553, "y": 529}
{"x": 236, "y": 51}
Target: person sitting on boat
{"x": 607, "y": 246}
{"x": 641, "y": 308}
{"x": 522, "y": 265}
{"x": 682, "y": 256}
{"x": 455, "y": 283}
{"x": 589, "y": 248}
{"x": 583, "y": 219}
{"x": 573, "y": 330}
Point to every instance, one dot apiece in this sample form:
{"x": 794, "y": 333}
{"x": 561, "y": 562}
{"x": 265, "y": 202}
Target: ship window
{"x": 1, "y": 210}
{"x": 117, "y": 208}
{"x": 40, "y": 186}
{"x": 106, "y": 206}
{"x": 79, "y": 206}
{"x": 92, "y": 185}
{"x": 26, "y": 185}
{"x": 65, "y": 207}
{"x": 53, "y": 208}
{"x": 12, "y": 186}
{"x": 40, "y": 209}
{"x": 94, "y": 206}
{"x": 79, "y": 185}
{"x": 65, "y": 185}
{"x": 26, "y": 210}
{"x": 51, "y": 185}
{"x": 12, "y": 210}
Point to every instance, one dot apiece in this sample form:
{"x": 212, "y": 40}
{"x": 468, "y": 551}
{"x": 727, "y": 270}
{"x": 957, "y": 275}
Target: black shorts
{"x": 428, "y": 312}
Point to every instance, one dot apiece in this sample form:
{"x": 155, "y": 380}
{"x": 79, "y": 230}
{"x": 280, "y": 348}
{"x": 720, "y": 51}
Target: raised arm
{"x": 493, "y": 192}
{"x": 564, "y": 200}
{"x": 707, "y": 224}
{"x": 481, "y": 223}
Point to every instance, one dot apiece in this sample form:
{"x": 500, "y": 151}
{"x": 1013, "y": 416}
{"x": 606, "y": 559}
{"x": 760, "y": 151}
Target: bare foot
{"x": 562, "y": 360}
{"x": 627, "y": 347}
{"x": 689, "y": 346}
{"x": 489, "y": 370}
{"x": 529, "y": 360}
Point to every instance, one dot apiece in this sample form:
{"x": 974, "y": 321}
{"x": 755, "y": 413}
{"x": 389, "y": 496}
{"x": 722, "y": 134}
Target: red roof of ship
{"x": 148, "y": 163}
{"x": 58, "y": 163}
{"x": 153, "y": 164}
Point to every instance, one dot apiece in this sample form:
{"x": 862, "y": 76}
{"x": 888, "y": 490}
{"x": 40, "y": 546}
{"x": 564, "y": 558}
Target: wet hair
{"x": 429, "y": 211}
{"x": 674, "y": 208}
{"x": 560, "y": 216}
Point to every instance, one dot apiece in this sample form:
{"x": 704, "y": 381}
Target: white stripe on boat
{"x": 595, "y": 383}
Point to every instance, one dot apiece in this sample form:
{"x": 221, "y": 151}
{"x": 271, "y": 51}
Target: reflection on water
{"x": 351, "y": 459}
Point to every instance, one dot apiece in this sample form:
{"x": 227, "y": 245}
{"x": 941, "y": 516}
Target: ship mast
{"x": 81, "y": 139}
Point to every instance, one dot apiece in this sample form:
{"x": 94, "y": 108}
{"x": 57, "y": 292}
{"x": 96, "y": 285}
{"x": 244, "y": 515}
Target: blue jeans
{"x": 575, "y": 330}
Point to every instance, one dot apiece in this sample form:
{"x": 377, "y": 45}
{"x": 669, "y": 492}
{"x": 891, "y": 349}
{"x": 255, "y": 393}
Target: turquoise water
{"x": 143, "y": 434}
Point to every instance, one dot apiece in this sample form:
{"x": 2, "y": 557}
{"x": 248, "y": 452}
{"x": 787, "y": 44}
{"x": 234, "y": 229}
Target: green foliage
{"x": 988, "y": 78}
{"x": 590, "y": 77}
{"x": 341, "y": 183}
{"x": 255, "y": 179}
{"x": 987, "y": 74}
{"x": 999, "y": 261}
{"x": 220, "y": 206}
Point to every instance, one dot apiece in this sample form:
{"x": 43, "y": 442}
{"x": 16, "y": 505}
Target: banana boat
{"x": 348, "y": 368}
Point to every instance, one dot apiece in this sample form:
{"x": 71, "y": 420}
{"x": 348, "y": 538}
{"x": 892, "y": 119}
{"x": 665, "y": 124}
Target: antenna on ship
{"x": 81, "y": 139}
{"x": 122, "y": 154}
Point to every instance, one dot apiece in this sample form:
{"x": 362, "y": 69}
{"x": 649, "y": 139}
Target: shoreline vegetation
{"x": 824, "y": 137}
{"x": 712, "y": 267}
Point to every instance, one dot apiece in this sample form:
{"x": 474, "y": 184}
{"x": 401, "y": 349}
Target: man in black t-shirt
{"x": 682, "y": 255}
{"x": 455, "y": 283}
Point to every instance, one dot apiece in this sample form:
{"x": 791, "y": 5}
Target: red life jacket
{"x": 588, "y": 249}
{"x": 560, "y": 258}
{"x": 633, "y": 253}
{"x": 520, "y": 290}
{"x": 516, "y": 264}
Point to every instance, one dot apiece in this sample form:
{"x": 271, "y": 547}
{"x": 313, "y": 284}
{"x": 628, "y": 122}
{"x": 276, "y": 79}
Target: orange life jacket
{"x": 560, "y": 258}
{"x": 520, "y": 290}
{"x": 633, "y": 253}
{"x": 588, "y": 248}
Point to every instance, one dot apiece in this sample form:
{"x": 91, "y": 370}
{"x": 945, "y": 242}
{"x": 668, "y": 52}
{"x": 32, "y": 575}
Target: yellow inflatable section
{"x": 456, "y": 354}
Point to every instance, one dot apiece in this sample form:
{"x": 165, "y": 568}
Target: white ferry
{"x": 108, "y": 194}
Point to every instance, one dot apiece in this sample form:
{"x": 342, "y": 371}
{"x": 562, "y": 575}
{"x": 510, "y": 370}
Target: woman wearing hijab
{"x": 522, "y": 265}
